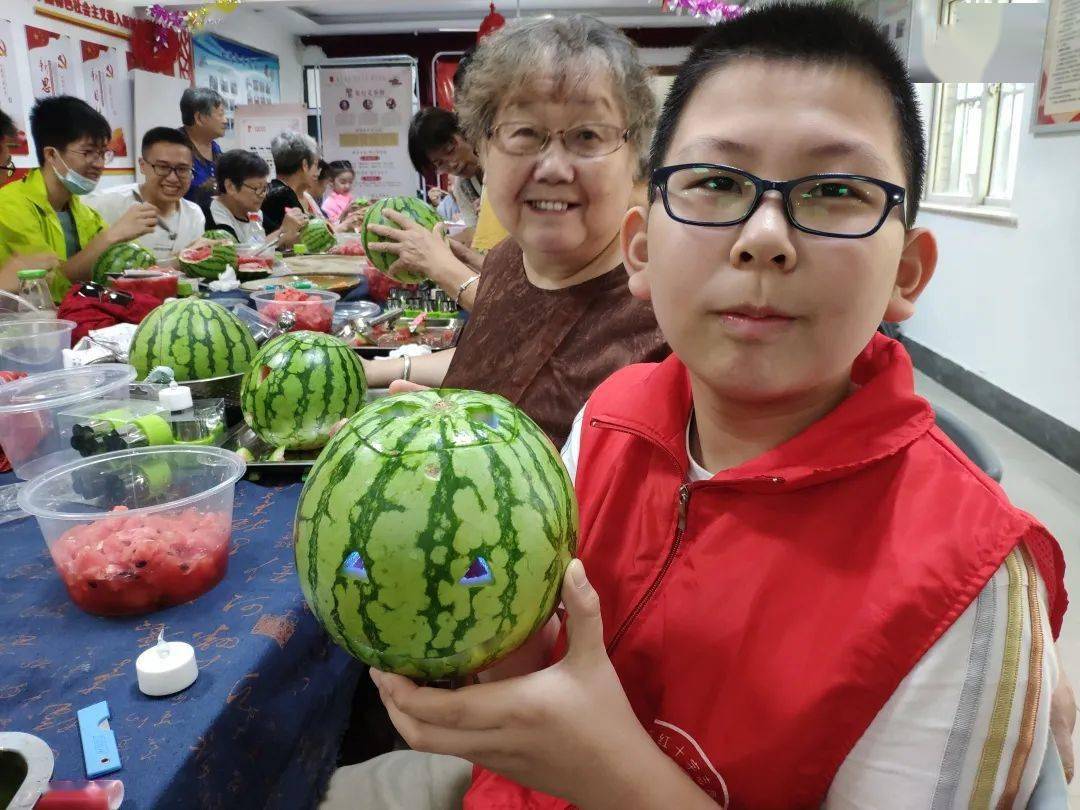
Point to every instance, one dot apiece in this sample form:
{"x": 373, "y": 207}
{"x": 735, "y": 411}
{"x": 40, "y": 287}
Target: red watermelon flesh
{"x": 314, "y": 317}
{"x": 127, "y": 565}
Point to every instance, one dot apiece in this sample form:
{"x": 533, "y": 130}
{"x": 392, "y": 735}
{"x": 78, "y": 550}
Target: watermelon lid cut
{"x": 441, "y": 419}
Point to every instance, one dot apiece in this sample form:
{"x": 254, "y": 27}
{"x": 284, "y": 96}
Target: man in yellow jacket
{"x": 42, "y": 213}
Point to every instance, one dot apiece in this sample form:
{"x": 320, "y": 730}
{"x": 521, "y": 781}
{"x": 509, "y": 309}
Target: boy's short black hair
{"x": 59, "y": 121}
{"x": 431, "y": 129}
{"x": 198, "y": 100}
{"x": 828, "y": 34}
{"x": 163, "y": 135}
{"x": 239, "y": 166}
{"x": 7, "y": 126}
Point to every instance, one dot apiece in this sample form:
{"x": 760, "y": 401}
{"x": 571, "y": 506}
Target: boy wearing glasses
{"x": 802, "y": 594}
{"x": 166, "y": 166}
{"x": 44, "y": 211}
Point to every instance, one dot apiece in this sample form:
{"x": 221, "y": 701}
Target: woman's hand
{"x": 293, "y": 222}
{"x": 350, "y": 221}
{"x": 418, "y": 249}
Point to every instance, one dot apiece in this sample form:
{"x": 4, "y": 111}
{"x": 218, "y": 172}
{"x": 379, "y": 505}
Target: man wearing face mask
{"x": 43, "y": 211}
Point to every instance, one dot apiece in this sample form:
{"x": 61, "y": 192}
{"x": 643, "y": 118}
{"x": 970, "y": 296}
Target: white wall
{"x": 1005, "y": 302}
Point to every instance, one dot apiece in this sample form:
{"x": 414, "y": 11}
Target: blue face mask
{"x": 73, "y": 181}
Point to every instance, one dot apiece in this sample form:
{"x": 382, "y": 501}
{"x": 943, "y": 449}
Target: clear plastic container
{"x": 12, "y": 307}
{"x": 315, "y": 314}
{"x": 34, "y": 345}
{"x": 138, "y": 530}
{"x": 30, "y": 433}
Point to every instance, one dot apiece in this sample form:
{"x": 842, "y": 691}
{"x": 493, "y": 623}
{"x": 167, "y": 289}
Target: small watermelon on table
{"x": 316, "y": 237}
{"x": 217, "y": 234}
{"x": 299, "y": 386}
{"x": 417, "y": 210}
{"x": 208, "y": 261}
{"x": 433, "y": 532}
{"x": 120, "y": 257}
{"x": 197, "y": 339}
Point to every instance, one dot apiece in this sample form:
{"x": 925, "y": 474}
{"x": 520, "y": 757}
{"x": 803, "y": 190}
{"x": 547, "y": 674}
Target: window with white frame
{"x": 974, "y": 143}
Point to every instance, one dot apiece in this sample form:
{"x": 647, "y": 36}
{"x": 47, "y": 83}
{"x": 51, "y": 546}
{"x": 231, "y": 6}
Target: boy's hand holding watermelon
{"x": 567, "y": 730}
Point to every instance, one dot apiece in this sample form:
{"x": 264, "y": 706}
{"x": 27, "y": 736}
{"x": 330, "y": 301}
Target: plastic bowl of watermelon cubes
{"x": 138, "y": 530}
{"x": 314, "y": 309}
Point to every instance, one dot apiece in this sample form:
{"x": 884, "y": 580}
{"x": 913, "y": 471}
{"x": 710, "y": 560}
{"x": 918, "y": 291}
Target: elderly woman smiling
{"x": 561, "y": 112}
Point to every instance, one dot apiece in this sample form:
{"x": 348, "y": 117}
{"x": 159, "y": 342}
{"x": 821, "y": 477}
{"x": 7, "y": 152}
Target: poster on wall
{"x": 241, "y": 74}
{"x": 52, "y": 69}
{"x": 365, "y": 120}
{"x": 257, "y": 124}
{"x": 1058, "y": 101}
{"x": 11, "y": 100}
{"x": 107, "y": 88}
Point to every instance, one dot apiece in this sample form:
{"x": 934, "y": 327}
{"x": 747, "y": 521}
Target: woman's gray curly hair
{"x": 574, "y": 52}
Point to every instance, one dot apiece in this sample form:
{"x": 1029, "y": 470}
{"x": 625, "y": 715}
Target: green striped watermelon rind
{"x": 198, "y": 339}
{"x": 418, "y": 210}
{"x": 221, "y": 256}
{"x": 299, "y": 386}
{"x": 120, "y": 257}
{"x": 420, "y": 485}
{"x": 219, "y": 233}
{"x": 317, "y": 237}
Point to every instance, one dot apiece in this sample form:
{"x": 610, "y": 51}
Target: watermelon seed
{"x": 479, "y": 573}
{"x": 354, "y": 567}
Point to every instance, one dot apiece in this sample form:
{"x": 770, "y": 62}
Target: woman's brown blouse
{"x": 546, "y": 350}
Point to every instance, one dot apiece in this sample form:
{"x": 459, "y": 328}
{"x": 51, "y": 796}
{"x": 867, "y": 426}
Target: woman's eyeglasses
{"x": 588, "y": 140}
{"x": 258, "y": 191}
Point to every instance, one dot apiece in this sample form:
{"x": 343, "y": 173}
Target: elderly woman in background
{"x": 561, "y": 112}
{"x": 243, "y": 181}
{"x": 296, "y": 160}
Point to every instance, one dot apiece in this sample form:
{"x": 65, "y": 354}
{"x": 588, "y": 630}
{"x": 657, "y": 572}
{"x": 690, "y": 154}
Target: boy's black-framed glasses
{"x": 845, "y": 206}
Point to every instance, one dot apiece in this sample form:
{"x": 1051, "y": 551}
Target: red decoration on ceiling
{"x": 491, "y": 23}
{"x": 153, "y": 48}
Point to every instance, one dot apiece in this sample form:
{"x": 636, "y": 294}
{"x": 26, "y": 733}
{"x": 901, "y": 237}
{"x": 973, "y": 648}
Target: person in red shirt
{"x": 800, "y": 593}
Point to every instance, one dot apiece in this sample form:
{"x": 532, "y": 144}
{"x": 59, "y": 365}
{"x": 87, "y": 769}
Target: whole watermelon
{"x": 208, "y": 261}
{"x": 433, "y": 532}
{"x": 120, "y": 257}
{"x": 317, "y": 237}
{"x": 197, "y": 339}
{"x": 218, "y": 233}
{"x": 299, "y": 386}
{"x": 417, "y": 210}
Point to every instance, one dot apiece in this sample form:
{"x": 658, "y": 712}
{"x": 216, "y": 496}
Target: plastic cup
{"x": 138, "y": 530}
{"x": 30, "y": 433}
{"x": 34, "y": 345}
{"x": 315, "y": 314}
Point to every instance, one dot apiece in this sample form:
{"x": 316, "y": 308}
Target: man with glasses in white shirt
{"x": 166, "y": 166}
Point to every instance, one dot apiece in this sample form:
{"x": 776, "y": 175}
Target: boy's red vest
{"x": 760, "y": 620}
